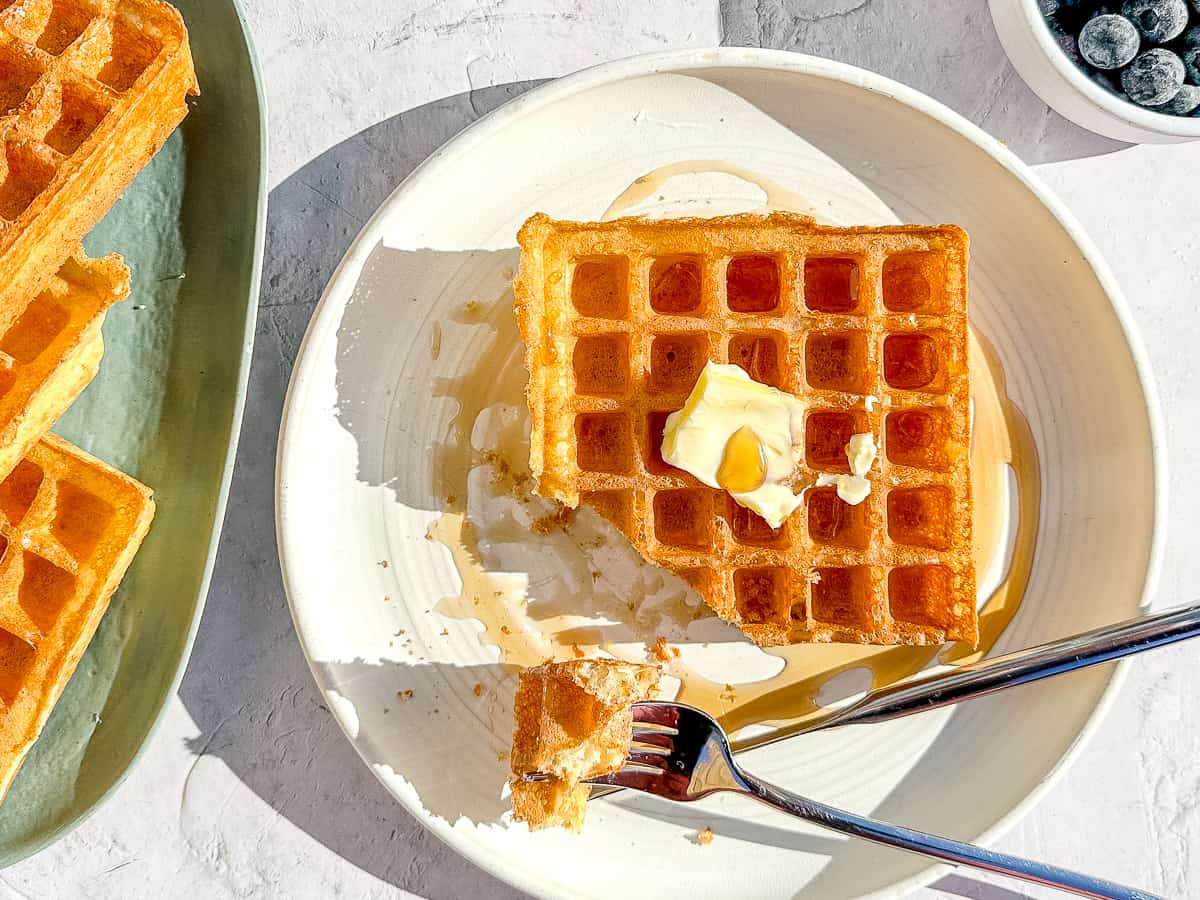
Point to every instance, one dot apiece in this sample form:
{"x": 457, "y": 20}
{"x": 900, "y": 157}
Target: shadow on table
{"x": 248, "y": 688}
{"x": 946, "y": 48}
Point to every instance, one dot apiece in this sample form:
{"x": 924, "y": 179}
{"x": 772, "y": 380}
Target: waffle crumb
{"x": 578, "y": 651}
{"x": 705, "y": 836}
{"x": 384, "y": 563}
{"x": 659, "y": 650}
{"x": 404, "y": 695}
{"x": 675, "y": 652}
{"x": 558, "y": 521}
{"x": 477, "y": 690}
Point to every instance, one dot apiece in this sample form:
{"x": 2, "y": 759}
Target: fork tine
{"x": 643, "y": 728}
{"x": 649, "y": 739}
{"x": 651, "y": 716}
{"x": 644, "y": 747}
{"x": 634, "y": 779}
{"x": 656, "y": 761}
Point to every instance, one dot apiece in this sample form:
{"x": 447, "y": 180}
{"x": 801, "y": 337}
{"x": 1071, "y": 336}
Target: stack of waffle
{"x": 89, "y": 91}
{"x": 867, "y": 326}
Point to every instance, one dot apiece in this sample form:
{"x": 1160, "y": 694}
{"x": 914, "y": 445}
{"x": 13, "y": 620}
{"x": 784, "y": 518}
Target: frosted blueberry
{"x": 1110, "y": 81}
{"x": 1158, "y": 20}
{"x": 1066, "y": 41}
{"x": 1048, "y": 7}
{"x": 1109, "y": 42}
{"x": 1153, "y": 78}
{"x": 1191, "y": 64}
{"x": 1186, "y": 102}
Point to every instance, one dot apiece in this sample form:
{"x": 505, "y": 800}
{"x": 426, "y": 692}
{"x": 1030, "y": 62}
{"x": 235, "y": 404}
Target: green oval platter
{"x": 166, "y": 408}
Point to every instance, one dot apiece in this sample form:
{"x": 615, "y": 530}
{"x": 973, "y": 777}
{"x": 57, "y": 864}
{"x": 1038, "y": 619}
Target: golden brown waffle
{"x": 89, "y": 90}
{"x": 573, "y": 721}
{"x": 69, "y": 526}
{"x": 618, "y": 319}
{"x": 53, "y": 350}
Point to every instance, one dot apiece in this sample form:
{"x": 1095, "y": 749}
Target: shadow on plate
{"x": 248, "y": 688}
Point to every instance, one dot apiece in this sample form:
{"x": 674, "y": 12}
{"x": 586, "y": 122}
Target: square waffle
{"x": 867, "y": 326}
{"x": 69, "y": 526}
{"x": 89, "y": 90}
{"x": 51, "y": 353}
{"x": 573, "y": 721}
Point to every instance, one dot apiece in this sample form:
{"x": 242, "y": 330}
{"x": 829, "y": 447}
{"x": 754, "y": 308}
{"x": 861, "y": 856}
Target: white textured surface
{"x": 249, "y": 789}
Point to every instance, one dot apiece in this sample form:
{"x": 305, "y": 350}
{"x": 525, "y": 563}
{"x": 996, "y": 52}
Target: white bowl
{"x": 1053, "y": 77}
{"x": 373, "y": 418}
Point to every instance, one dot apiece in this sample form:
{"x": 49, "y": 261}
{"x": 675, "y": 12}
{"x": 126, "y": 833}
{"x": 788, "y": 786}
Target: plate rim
{"x": 65, "y": 827}
{"x": 692, "y": 59}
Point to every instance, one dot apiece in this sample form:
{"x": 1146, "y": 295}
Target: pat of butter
{"x": 854, "y": 488}
{"x": 724, "y": 400}
{"x": 860, "y": 453}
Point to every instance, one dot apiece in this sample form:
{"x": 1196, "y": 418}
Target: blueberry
{"x": 1191, "y": 64}
{"x": 1066, "y": 42}
{"x": 1073, "y": 15}
{"x": 1157, "y": 20}
{"x": 1191, "y": 37}
{"x": 1048, "y": 7}
{"x": 1186, "y": 102}
{"x": 1110, "y": 81}
{"x": 1153, "y": 78}
{"x": 1109, "y": 42}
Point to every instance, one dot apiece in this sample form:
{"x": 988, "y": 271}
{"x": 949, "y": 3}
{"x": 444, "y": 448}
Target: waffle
{"x": 89, "y": 90}
{"x": 618, "y": 319}
{"x": 69, "y": 526}
{"x": 53, "y": 350}
{"x": 572, "y": 722}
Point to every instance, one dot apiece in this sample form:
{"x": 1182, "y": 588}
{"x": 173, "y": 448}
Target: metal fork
{"x": 681, "y": 753}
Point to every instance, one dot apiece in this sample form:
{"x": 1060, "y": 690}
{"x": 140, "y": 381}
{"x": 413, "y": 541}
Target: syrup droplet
{"x": 743, "y": 466}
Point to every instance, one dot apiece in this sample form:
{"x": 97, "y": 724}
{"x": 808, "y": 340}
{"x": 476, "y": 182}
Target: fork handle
{"x": 1023, "y": 666}
{"x": 938, "y": 848}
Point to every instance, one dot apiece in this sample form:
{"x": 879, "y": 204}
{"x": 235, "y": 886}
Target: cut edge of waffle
{"x": 618, "y": 318}
{"x": 70, "y": 525}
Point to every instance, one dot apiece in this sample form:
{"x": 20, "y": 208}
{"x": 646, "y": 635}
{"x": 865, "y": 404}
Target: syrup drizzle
{"x": 743, "y": 467}
{"x": 1002, "y": 446}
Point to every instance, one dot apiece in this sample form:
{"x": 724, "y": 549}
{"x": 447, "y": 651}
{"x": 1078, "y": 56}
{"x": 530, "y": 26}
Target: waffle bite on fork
{"x": 573, "y": 721}
{"x": 866, "y": 327}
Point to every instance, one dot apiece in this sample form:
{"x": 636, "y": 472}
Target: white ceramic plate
{"x": 413, "y": 338}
